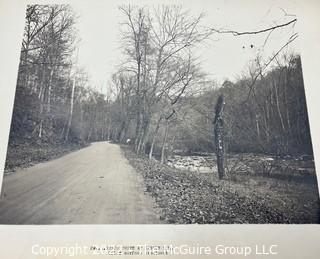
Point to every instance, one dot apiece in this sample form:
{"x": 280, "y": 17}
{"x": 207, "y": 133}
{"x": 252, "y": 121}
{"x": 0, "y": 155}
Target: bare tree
{"x": 159, "y": 45}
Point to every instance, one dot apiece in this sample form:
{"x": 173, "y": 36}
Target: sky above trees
{"x": 223, "y": 56}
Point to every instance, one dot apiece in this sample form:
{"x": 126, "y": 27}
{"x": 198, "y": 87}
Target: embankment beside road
{"x": 188, "y": 197}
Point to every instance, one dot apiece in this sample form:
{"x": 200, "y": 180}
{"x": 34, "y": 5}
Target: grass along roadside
{"x": 185, "y": 197}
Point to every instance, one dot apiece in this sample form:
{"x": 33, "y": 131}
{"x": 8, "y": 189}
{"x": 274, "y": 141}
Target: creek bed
{"x": 292, "y": 168}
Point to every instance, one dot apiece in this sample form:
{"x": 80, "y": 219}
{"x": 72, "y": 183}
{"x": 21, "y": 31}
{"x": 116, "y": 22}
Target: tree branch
{"x": 235, "y": 33}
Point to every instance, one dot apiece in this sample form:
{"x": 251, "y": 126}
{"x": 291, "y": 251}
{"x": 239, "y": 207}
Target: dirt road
{"x": 91, "y": 186}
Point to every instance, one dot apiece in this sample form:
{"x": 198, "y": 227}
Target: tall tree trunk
{"x": 25, "y": 62}
{"x": 138, "y": 131}
{"x": 278, "y": 108}
{"x": 266, "y": 121}
{"x": 152, "y": 146}
{"x": 71, "y": 109}
{"x": 154, "y": 138}
{"x": 163, "y": 148}
{"x": 139, "y": 114}
{"x": 286, "y": 102}
{"x": 145, "y": 138}
{"x": 258, "y": 127}
{"x": 144, "y": 134}
{"x": 50, "y": 90}
{"x": 41, "y": 101}
{"x": 219, "y": 135}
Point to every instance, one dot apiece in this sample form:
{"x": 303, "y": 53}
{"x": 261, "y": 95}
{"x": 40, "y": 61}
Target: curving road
{"x": 95, "y": 185}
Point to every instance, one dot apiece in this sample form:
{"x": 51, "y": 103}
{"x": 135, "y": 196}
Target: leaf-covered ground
{"x": 25, "y": 155}
{"x": 185, "y": 197}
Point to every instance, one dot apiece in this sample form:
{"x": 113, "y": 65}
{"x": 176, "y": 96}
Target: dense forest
{"x": 160, "y": 100}
{"x": 269, "y": 117}
{"x": 54, "y": 102}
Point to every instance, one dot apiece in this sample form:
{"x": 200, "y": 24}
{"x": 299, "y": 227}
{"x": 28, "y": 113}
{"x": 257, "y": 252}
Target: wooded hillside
{"x": 160, "y": 100}
{"x": 54, "y": 102}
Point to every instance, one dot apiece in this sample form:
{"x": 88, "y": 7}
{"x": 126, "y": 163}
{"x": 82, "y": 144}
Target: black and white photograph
{"x": 150, "y": 112}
